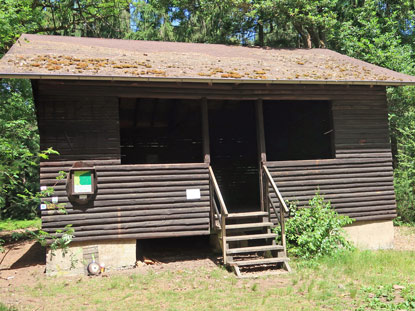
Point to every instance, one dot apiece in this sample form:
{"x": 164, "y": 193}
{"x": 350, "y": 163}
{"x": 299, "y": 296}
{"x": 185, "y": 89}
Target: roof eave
{"x": 199, "y": 80}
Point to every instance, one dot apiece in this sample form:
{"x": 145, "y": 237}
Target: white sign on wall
{"x": 193, "y": 194}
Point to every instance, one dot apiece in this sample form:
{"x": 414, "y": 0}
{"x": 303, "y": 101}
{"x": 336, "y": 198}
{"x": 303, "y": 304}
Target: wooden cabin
{"x": 183, "y": 139}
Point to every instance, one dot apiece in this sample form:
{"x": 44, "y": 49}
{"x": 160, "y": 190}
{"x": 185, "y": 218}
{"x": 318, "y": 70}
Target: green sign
{"x": 82, "y": 182}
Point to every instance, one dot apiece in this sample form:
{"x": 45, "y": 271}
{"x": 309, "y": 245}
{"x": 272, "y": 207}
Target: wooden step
{"x": 250, "y": 225}
{"x": 251, "y": 249}
{"x": 251, "y": 237}
{"x": 262, "y": 261}
{"x": 257, "y": 275}
{"x": 247, "y": 214}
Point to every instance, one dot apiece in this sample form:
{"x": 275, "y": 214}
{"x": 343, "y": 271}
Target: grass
{"x": 359, "y": 280}
{"x": 12, "y": 224}
{"x": 3, "y": 307}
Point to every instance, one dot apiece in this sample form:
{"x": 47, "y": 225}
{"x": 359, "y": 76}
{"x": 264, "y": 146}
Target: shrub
{"x": 314, "y": 231}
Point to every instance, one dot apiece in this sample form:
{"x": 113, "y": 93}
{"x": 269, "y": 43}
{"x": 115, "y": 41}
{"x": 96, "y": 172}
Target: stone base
{"x": 115, "y": 254}
{"x": 373, "y": 235}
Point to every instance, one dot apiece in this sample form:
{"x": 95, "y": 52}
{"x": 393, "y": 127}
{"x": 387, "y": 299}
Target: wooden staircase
{"x": 248, "y": 240}
{"x": 250, "y": 247}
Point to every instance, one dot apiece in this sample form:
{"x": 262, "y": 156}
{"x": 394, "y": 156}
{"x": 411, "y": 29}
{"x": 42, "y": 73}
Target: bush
{"x": 316, "y": 230}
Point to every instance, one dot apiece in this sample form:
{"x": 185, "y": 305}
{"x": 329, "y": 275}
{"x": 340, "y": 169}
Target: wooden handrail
{"x": 274, "y": 187}
{"x": 223, "y": 212}
{"x": 269, "y": 202}
{"x": 222, "y": 204}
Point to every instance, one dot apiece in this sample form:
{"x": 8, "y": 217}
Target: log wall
{"x": 80, "y": 120}
{"x": 359, "y": 181}
{"x": 133, "y": 201}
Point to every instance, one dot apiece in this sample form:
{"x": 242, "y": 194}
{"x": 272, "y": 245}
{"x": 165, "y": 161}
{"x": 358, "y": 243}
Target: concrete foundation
{"x": 371, "y": 234}
{"x": 115, "y": 254}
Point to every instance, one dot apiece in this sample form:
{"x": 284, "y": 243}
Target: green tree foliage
{"x": 19, "y": 148}
{"x": 89, "y": 18}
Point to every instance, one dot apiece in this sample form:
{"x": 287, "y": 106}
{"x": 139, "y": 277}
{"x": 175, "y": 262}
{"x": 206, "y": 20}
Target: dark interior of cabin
{"x": 298, "y": 130}
{"x": 157, "y": 131}
{"x": 160, "y": 131}
{"x": 234, "y": 152}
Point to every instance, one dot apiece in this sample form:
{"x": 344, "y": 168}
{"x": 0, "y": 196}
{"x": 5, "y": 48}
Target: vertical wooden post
{"x": 212, "y": 211}
{"x": 262, "y": 158}
{"x": 224, "y": 242}
{"x": 205, "y": 131}
{"x": 206, "y": 155}
{"x": 282, "y": 223}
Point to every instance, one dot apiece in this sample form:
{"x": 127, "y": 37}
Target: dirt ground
{"x": 24, "y": 262}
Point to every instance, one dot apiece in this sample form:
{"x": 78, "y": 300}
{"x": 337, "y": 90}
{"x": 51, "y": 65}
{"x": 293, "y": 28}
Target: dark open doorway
{"x": 234, "y": 152}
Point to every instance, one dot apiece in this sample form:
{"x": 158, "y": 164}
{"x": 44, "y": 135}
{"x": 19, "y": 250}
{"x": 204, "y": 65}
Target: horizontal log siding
{"x": 359, "y": 181}
{"x": 80, "y": 120}
{"x": 133, "y": 201}
{"x": 79, "y": 127}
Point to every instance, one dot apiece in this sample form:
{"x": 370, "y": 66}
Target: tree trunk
{"x": 305, "y": 36}
{"x": 260, "y": 34}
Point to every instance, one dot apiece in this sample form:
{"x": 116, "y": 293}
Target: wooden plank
{"x": 253, "y": 249}
{"x": 324, "y": 162}
{"x": 132, "y": 196}
{"x": 119, "y": 221}
{"x": 153, "y": 230}
{"x": 118, "y": 207}
{"x": 138, "y": 178}
{"x": 260, "y": 131}
{"x": 136, "y": 190}
{"x": 205, "y": 131}
{"x": 139, "y": 236}
{"x": 135, "y": 225}
{"x": 120, "y": 213}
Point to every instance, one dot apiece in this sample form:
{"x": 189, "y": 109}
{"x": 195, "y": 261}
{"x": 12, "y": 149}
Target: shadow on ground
{"x": 177, "y": 249}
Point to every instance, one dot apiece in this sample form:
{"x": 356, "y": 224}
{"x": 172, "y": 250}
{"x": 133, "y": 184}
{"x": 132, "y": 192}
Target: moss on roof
{"x": 85, "y": 57}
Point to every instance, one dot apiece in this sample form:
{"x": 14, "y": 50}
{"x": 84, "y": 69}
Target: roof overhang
{"x": 200, "y": 80}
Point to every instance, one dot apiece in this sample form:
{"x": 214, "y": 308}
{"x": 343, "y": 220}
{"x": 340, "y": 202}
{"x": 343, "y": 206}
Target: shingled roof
{"x": 59, "y": 57}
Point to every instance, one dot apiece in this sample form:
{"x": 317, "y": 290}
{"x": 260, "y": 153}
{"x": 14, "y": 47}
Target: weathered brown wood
{"x": 354, "y": 191}
{"x": 132, "y": 196}
{"x": 139, "y": 224}
{"x": 123, "y": 213}
{"x": 151, "y": 235}
{"x": 377, "y": 207}
{"x": 324, "y": 162}
{"x": 224, "y": 210}
{"x": 116, "y": 173}
{"x": 118, "y": 207}
{"x": 138, "y": 178}
{"x": 358, "y": 180}
{"x": 143, "y": 185}
{"x": 125, "y": 220}
{"x": 173, "y": 90}
{"x": 153, "y": 230}
{"x": 260, "y": 131}
{"x": 275, "y": 190}
{"x": 261, "y": 148}
{"x": 205, "y": 131}
{"x": 320, "y": 176}
{"x": 375, "y": 217}
{"x": 70, "y": 163}
{"x": 136, "y": 190}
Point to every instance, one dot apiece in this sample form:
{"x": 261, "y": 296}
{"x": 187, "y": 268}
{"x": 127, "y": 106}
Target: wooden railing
{"x": 269, "y": 205}
{"x": 220, "y": 213}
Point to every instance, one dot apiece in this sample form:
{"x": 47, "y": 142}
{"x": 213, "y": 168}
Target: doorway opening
{"x": 234, "y": 152}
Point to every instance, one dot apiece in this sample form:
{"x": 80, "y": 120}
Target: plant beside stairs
{"x": 254, "y": 244}
{"x": 316, "y": 230}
